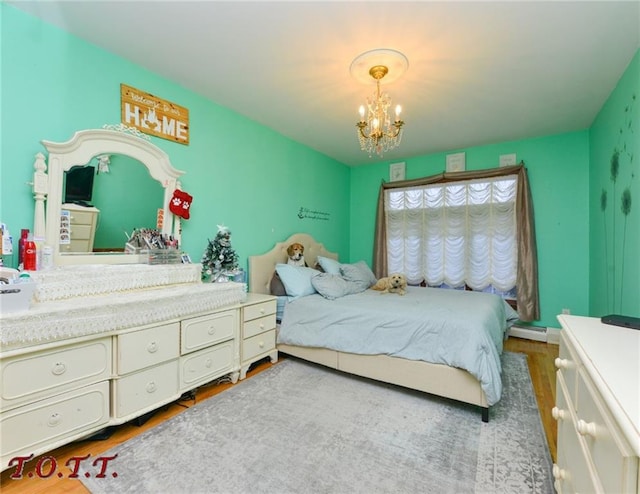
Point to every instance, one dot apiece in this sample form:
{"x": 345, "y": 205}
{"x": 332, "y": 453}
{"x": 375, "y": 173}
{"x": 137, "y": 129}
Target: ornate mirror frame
{"x": 79, "y": 150}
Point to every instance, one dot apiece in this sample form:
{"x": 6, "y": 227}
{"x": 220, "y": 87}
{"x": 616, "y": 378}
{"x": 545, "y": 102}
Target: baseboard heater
{"x": 528, "y": 332}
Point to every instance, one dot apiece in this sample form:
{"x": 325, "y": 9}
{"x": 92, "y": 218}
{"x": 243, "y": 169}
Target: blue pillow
{"x": 358, "y": 272}
{"x": 297, "y": 279}
{"x": 333, "y": 286}
{"x": 330, "y": 266}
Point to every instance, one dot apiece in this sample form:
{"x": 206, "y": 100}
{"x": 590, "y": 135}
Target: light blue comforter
{"x": 457, "y": 328}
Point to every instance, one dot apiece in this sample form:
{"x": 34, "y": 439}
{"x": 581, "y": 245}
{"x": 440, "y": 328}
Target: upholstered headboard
{"x": 262, "y": 267}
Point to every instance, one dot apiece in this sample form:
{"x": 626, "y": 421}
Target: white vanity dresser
{"x": 72, "y": 365}
{"x": 110, "y": 337}
{"x": 597, "y": 408}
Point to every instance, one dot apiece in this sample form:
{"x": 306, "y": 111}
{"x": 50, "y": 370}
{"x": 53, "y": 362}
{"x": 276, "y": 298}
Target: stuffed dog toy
{"x": 394, "y": 283}
{"x": 295, "y": 255}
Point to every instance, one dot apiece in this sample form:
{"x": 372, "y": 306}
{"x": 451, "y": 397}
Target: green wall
{"x": 241, "y": 174}
{"x": 557, "y": 168}
{"x": 248, "y": 177}
{"x": 614, "y": 152}
{"x": 127, "y": 197}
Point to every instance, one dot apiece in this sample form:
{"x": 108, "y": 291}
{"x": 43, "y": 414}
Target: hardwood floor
{"x": 541, "y": 358}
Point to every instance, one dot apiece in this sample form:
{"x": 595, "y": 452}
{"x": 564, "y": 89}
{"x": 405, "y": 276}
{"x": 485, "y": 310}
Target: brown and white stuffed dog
{"x": 295, "y": 255}
{"x": 394, "y": 283}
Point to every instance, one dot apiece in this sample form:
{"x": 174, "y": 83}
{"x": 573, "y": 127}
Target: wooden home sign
{"x": 154, "y": 116}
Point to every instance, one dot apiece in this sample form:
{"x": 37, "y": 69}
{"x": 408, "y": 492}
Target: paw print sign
{"x": 180, "y": 204}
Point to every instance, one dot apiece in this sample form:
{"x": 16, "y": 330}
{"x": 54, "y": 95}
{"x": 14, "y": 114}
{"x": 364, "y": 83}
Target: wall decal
{"x": 621, "y": 160}
{"x": 309, "y": 214}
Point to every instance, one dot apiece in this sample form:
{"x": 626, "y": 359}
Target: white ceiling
{"x": 479, "y": 72}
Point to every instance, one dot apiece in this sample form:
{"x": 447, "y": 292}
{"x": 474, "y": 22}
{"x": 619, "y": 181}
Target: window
{"x": 455, "y": 234}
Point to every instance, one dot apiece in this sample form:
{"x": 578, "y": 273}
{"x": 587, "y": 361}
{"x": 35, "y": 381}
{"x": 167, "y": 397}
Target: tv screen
{"x": 79, "y": 185}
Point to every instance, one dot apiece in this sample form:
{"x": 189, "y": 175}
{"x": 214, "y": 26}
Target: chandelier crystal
{"x": 376, "y": 132}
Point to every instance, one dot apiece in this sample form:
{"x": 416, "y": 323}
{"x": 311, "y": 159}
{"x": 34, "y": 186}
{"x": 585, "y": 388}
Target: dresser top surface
{"x": 611, "y": 356}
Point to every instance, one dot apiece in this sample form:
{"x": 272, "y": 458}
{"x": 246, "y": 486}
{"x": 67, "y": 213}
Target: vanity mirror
{"x": 86, "y": 145}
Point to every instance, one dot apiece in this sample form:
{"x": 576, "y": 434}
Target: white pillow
{"x": 297, "y": 279}
{"x": 329, "y": 266}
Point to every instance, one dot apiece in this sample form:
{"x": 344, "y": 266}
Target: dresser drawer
{"x": 148, "y": 347}
{"x": 76, "y": 246}
{"x": 567, "y": 364}
{"x": 81, "y": 217}
{"x": 257, "y": 326}
{"x": 81, "y": 232}
{"x": 206, "y": 365}
{"x": 53, "y": 371}
{"x": 614, "y": 460}
{"x": 254, "y": 346}
{"x": 146, "y": 389}
{"x": 259, "y": 310}
{"x": 44, "y": 425}
{"x": 573, "y": 471}
{"x": 205, "y": 331}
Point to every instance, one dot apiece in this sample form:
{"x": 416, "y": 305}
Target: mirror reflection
{"x": 104, "y": 201}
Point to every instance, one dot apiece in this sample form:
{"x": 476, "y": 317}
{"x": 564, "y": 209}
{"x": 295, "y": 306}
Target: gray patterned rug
{"x": 302, "y": 428}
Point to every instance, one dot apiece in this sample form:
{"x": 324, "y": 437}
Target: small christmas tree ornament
{"x": 219, "y": 261}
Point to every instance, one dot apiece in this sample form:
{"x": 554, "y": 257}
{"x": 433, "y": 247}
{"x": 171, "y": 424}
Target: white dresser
{"x": 597, "y": 408}
{"x": 71, "y": 367}
{"x": 258, "y": 330}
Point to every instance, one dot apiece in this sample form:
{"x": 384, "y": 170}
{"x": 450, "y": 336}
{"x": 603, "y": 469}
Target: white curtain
{"x": 454, "y": 233}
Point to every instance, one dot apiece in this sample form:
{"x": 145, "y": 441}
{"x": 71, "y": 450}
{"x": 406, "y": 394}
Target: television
{"x": 79, "y": 185}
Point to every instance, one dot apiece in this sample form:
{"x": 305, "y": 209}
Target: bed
{"x": 443, "y": 342}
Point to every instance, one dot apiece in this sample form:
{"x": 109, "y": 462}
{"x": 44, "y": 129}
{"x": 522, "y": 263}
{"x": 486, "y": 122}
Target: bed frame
{"x": 437, "y": 379}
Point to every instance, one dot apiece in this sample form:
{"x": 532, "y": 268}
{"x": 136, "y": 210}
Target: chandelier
{"x": 379, "y": 129}
{"x": 377, "y": 133}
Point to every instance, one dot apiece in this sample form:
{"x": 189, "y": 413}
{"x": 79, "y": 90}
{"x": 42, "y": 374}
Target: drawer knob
{"x": 59, "y": 368}
{"x": 152, "y": 347}
{"x": 261, "y": 344}
{"x": 262, "y": 310}
{"x": 562, "y": 363}
{"x": 559, "y": 473}
{"x": 54, "y": 419}
{"x": 586, "y": 428}
{"x": 558, "y": 413}
{"x": 212, "y": 330}
{"x": 208, "y": 363}
{"x": 261, "y": 325}
{"x": 151, "y": 387}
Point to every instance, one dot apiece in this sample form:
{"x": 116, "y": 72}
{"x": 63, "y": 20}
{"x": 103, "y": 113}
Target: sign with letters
{"x": 154, "y": 116}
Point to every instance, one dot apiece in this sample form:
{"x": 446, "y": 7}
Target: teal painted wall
{"x": 614, "y": 153}
{"x": 240, "y": 173}
{"x": 249, "y": 177}
{"x": 558, "y": 175}
{"x": 127, "y": 197}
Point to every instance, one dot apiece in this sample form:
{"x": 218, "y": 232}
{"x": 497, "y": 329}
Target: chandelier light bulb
{"x": 398, "y": 111}
{"x": 361, "y": 113}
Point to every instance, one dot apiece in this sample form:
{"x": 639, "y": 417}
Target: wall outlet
{"x": 566, "y": 311}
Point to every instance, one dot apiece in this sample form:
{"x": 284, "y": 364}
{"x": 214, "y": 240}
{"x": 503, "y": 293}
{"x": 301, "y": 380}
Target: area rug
{"x": 301, "y": 428}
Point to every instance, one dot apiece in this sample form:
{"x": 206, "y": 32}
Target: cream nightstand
{"x": 257, "y": 330}
{"x": 82, "y": 228}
